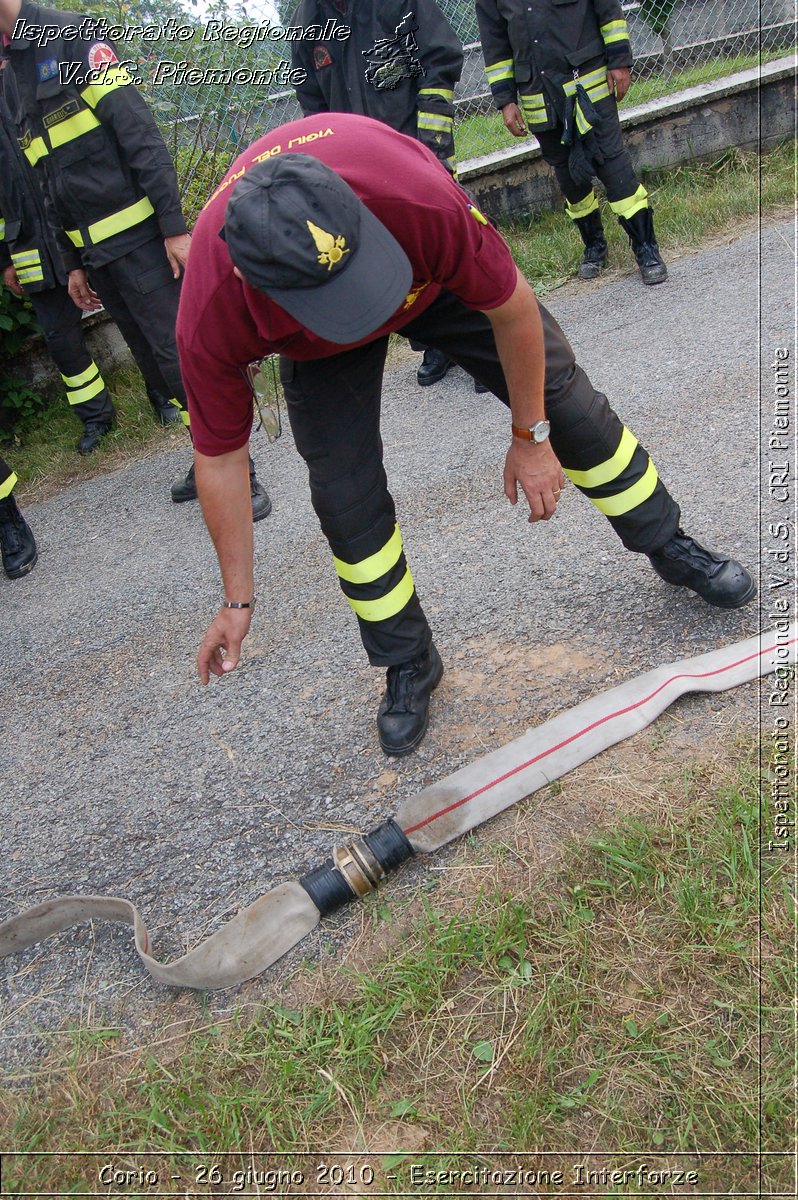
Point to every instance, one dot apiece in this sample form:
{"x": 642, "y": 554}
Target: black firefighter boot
{"x": 185, "y": 488}
{"x": 591, "y": 231}
{"x": 640, "y": 229}
{"x": 16, "y": 540}
{"x": 684, "y": 562}
{"x": 403, "y": 714}
{"x": 164, "y": 409}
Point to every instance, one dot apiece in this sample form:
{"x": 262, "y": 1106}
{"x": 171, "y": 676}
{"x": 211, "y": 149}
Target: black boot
{"x": 16, "y": 540}
{"x": 591, "y": 231}
{"x": 720, "y": 581}
{"x": 640, "y": 228}
{"x": 404, "y": 709}
{"x": 165, "y": 410}
{"x": 433, "y": 367}
{"x": 93, "y": 434}
{"x": 185, "y": 488}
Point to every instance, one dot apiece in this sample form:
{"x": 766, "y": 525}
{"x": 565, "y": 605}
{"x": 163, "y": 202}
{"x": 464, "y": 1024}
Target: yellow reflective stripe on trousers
{"x": 371, "y": 568}
{"x": 113, "y": 78}
{"x": 73, "y": 381}
{"x": 583, "y": 208}
{"x": 72, "y": 127}
{"x": 7, "y": 486}
{"x": 126, "y": 218}
{"x": 36, "y": 149}
{"x": 386, "y": 606}
{"x": 497, "y": 72}
{"x": 611, "y": 468}
{"x": 624, "y": 502}
{"x": 615, "y": 31}
{"x": 444, "y": 93}
{"x": 632, "y": 204}
{"x": 86, "y": 393}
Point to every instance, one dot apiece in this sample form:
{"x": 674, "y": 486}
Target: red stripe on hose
{"x": 581, "y": 732}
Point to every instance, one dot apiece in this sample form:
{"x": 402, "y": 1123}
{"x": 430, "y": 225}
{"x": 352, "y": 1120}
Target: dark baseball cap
{"x": 298, "y": 232}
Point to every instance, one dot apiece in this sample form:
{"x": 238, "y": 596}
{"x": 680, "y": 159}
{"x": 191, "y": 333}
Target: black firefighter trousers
{"x": 334, "y": 408}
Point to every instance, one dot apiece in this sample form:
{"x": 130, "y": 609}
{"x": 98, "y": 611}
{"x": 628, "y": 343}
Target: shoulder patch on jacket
{"x": 321, "y": 58}
{"x": 99, "y": 53}
{"x": 47, "y": 69}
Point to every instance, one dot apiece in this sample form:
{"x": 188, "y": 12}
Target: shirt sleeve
{"x": 497, "y": 52}
{"x": 118, "y": 104}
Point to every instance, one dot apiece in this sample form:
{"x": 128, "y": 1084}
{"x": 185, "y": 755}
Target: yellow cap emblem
{"x": 331, "y": 249}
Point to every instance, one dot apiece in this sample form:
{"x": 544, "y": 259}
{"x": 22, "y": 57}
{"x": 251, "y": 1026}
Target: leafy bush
{"x": 17, "y": 323}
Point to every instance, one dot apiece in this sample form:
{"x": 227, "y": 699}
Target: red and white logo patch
{"x": 321, "y": 58}
{"x": 100, "y": 53}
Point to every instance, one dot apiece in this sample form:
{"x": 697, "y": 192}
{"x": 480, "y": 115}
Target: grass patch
{"x": 616, "y": 1005}
{"x": 484, "y": 133}
{"x": 692, "y": 203}
{"x": 42, "y": 451}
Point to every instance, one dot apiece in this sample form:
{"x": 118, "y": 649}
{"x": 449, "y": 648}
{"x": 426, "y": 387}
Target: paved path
{"x": 121, "y": 775}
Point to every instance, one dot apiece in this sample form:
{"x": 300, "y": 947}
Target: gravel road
{"x": 123, "y": 776}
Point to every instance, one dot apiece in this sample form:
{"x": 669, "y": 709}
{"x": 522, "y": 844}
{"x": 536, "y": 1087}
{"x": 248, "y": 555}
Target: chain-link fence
{"x": 217, "y": 80}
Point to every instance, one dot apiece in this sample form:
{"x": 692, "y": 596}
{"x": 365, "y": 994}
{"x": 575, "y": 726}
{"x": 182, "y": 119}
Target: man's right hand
{"x": 511, "y": 115}
{"x": 80, "y": 292}
{"x": 11, "y": 281}
{"x": 220, "y": 651}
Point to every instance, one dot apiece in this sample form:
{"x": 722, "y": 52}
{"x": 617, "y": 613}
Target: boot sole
{"x": 408, "y": 749}
{"x": 746, "y": 597}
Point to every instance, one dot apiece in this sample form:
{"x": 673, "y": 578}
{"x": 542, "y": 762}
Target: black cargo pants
{"x": 60, "y": 320}
{"x": 334, "y": 408}
{"x": 141, "y": 294}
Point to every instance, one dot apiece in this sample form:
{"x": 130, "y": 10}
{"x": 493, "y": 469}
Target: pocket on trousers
{"x": 155, "y": 278}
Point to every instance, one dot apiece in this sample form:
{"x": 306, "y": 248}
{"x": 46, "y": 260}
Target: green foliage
{"x": 17, "y": 323}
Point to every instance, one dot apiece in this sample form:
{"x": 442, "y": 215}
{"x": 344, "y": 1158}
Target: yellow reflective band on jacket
{"x": 611, "y": 468}
{"x": 533, "y": 104}
{"x": 30, "y": 274}
{"x": 632, "y": 204}
{"x": 442, "y": 124}
{"x": 71, "y": 128}
{"x": 624, "y": 502}
{"x": 35, "y": 150}
{"x": 594, "y": 83}
{"x": 615, "y": 31}
{"x": 118, "y": 222}
{"x": 26, "y": 258}
{"x": 371, "y": 568}
{"x": 444, "y": 93}
{"x": 113, "y": 78}
{"x": 497, "y": 72}
{"x": 583, "y": 208}
{"x": 7, "y": 486}
{"x": 386, "y": 606}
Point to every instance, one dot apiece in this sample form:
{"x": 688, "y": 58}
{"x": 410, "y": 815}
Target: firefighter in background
{"x": 31, "y": 265}
{"x": 559, "y": 70}
{"x": 399, "y": 64}
{"x": 112, "y": 188}
{"x": 16, "y": 540}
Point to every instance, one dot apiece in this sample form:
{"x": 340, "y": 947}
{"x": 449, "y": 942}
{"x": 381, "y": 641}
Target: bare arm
{"x": 223, "y": 488}
{"x": 518, "y": 331}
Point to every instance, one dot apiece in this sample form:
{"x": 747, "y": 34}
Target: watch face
{"x": 540, "y": 431}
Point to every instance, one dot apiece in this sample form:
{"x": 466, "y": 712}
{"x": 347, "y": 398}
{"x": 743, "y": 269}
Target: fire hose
{"x": 263, "y": 932}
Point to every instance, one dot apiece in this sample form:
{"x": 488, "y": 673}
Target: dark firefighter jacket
{"x": 534, "y": 51}
{"x": 399, "y": 65}
{"x": 84, "y": 125}
{"x": 26, "y": 240}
